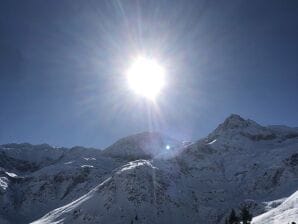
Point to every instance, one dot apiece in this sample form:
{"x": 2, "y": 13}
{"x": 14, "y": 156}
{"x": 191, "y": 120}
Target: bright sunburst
{"x": 146, "y": 77}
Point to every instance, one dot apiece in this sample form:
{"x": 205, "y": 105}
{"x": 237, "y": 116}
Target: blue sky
{"x": 62, "y": 66}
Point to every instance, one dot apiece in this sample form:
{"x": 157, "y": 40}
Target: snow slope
{"x": 287, "y": 212}
{"x": 47, "y": 179}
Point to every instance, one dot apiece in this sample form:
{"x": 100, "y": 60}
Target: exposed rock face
{"x": 141, "y": 180}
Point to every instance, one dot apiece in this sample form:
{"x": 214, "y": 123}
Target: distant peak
{"x": 235, "y": 117}
{"x": 235, "y": 121}
{"x": 147, "y": 134}
{"x": 143, "y": 145}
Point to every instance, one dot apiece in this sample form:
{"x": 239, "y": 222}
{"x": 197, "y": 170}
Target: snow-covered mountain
{"x": 287, "y": 212}
{"x": 146, "y": 145}
{"x": 151, "y": 178}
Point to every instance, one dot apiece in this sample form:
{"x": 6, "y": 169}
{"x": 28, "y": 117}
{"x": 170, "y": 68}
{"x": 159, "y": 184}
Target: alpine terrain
{"x": 150, "y": 178}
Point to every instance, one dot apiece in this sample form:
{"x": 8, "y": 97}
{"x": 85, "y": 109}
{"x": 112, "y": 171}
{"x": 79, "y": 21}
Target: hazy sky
{"x": 63, "y": 63}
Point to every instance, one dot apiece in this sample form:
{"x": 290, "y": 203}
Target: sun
{"x": 146, "y": 77}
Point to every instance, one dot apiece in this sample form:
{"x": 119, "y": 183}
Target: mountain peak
{"x": 235, "y": 117}
{"x": 235, "y": 124}
{"x": 235, "y": 121}
{"x": 143, "y": 145}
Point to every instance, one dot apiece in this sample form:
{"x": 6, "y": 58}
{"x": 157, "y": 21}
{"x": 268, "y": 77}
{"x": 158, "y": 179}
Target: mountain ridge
{"x": 131, "y": 181}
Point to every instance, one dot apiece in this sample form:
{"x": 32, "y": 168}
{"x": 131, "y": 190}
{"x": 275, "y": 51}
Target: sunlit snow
{"x": 3, "y": 183}
{"x": 11, "y": 174}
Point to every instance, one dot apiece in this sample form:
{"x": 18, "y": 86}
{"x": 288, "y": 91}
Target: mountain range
{"x": 152, "y": 178}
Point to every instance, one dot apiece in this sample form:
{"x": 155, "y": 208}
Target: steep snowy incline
{"x": 136, "y": 193}
{"x": 287, "y": 212}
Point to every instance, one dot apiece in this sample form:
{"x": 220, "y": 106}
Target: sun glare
{"x": 146, "y": 77}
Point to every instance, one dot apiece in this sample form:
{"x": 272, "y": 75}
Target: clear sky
{"x": 62, "y": 66}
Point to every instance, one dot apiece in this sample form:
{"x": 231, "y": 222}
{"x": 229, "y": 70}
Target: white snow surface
{"x": 3, "y": 183}
{"x": 287, "y": 212}
{"x": 11, "y": 174}
{"x": 87, "y": 166}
